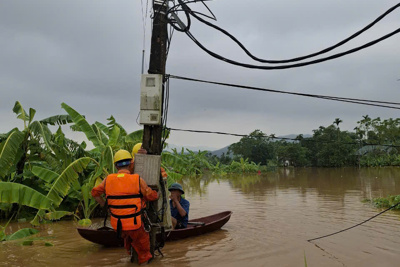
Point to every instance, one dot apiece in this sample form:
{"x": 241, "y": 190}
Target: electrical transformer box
{"x": 151, "y": 99}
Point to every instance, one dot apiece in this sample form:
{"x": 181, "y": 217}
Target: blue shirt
{"x": 175, "y": 213}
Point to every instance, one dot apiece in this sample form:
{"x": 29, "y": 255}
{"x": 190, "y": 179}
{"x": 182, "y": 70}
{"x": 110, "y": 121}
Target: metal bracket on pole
{"x": 179, "y": 21}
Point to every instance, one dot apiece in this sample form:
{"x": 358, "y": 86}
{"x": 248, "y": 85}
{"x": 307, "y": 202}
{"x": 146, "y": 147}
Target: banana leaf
{"x": 45, "y": 174}
{"x": 88, "y": 204}
{"x": 85, "y": 127}
{"x": 32, "y": 113}
{"x": 43, "y": 131}
{"x": 101, "y": 135}
{"x": 108, "y": 159}
{"x": 57, "y": 120}
{"x": 134, "y": 137}
{"x": 21, "y": 113}
{"x": 102, "y": 127}
{"x": 22, "y": 233}
{"x": 114, "y": 135}
{"x": 56, "y": 215}
{"x": 113, "y": 123}
{"x": 9, "y": 150}
{"x": 173, "y": 177}
{"x": 23, "y": 195}
{"x": 63, "y": 183}
{"x": 53, "y": 162}
{"x": 100, "y": 169}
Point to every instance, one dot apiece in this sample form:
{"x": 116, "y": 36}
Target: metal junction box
{"x": 151, "y": 99}
{"x": 148, "y": 168}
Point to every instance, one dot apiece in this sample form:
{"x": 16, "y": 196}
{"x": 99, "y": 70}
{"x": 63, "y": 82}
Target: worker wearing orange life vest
{"x": 125, "y": 196}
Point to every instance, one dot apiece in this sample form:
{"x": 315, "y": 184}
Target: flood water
{"x": 274, "y": 215}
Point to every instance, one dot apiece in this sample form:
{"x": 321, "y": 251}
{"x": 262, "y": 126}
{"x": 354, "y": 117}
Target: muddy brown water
{"x": 274, "y": 215}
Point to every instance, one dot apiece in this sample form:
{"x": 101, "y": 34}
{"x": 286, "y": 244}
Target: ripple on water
{"x": 273, "y": 216}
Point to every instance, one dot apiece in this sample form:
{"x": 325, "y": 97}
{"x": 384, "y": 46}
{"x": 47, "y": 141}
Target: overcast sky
{"x": 88, "y": 55}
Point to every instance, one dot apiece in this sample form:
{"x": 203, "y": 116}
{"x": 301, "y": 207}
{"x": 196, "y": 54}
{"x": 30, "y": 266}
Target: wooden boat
{"x": 106, "y": 236}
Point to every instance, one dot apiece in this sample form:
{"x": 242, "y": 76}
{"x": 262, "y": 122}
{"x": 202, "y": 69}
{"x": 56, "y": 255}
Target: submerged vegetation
{"x": 44, "y": 176}
{"x": 386, "y": 202}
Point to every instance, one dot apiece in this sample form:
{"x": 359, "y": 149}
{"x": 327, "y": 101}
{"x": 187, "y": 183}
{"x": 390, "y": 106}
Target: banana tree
{"x": 9, "y": 152}
{"x": 106, "y": 139}
{"x": 60, "y": 186}
{"x": 33, "y": 143}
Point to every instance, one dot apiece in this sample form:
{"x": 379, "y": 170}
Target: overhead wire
{"x": 334, "y": 98}
{"x": 188, "y": 12}
{"x": 375, "y": 103}
{"x": 165, "y": 130}
{"x": 144, "y": 21}
{"x": 323, "y": 51}
{"x": 297, "y": 65}
{"x": 272, "y": 136}
{"x": 175, "y": 7}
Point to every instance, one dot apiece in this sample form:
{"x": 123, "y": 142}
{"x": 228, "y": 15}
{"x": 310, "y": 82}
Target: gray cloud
{"x": 88, "y": 54}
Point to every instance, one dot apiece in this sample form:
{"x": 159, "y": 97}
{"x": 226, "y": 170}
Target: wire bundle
{"x": 179, "y": 26}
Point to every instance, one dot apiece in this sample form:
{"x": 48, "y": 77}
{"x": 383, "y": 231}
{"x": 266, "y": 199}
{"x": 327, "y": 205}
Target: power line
{"x": 323, "y": 51}
{"x": 272, "y": 136}
{"x": 188, "y": 12}
{"x": 375, "y": 103}
{"x": 144, "y": 21}
{"x": 358, "y": 224}
{"x": 316, "y": 61}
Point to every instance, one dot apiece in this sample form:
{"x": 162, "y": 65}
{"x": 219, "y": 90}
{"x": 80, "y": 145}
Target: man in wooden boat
{"x": 126, "y": 194}
{"x": 179, "y": 207}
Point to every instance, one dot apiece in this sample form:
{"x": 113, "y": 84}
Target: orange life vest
{"x": 124, "y": 200}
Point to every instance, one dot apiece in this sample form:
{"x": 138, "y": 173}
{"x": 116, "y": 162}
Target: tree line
{"x": 374, "y": 142}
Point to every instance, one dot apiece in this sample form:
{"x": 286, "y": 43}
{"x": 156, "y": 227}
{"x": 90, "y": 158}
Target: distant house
{"x": 286, "y": 163}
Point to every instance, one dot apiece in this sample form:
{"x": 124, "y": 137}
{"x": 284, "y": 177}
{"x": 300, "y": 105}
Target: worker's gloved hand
{"x": 142, "y": 151}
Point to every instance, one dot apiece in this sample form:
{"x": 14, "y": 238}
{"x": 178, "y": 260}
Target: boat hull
{"x": 107, "y": 236}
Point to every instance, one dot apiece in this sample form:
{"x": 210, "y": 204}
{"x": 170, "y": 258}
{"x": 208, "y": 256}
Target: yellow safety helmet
{"x": 136, "y": 149}
{"x": 122, "y": 155}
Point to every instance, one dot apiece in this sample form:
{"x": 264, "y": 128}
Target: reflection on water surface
{"x": 273, "y": 216}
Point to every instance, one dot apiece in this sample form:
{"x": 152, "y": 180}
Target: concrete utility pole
{"x": 152, "y": 134}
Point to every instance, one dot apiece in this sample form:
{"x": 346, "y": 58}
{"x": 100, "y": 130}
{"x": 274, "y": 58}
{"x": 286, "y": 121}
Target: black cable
{"x": 169, "y": 40}
{"x": 189, "y": 12}
{"x": 283, "y": 138}
{"x": 161, "y": 244}
{"x": 334, "y": 98}
{"x": 193, "y": 13}
{"x": 250, "y": 66}
{"x": 172, "y": 22}
{"x": 209, "y": 10}
{"x": 165, "y": 113}
{"x": 309, "y": 240}
{"x": 175, "y": 9}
